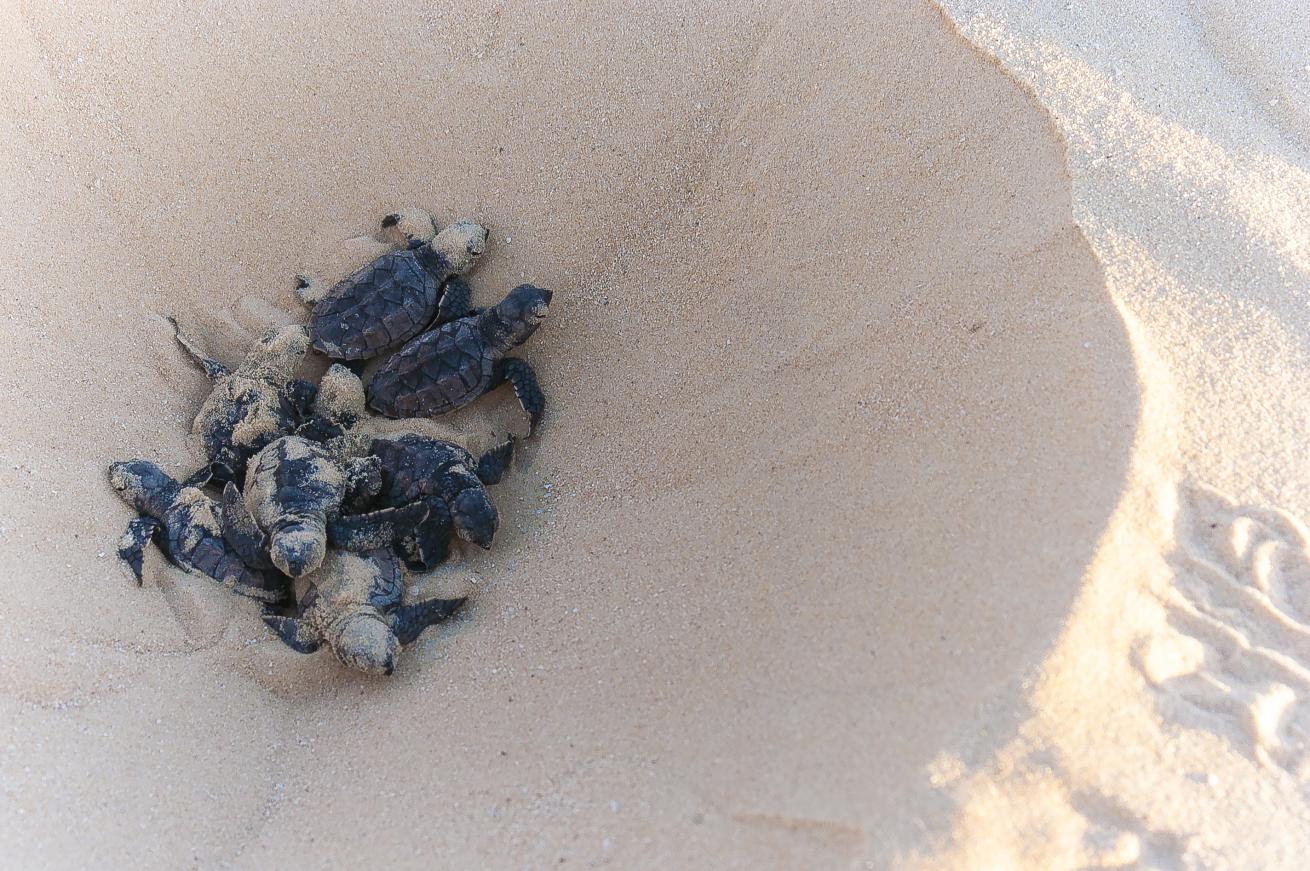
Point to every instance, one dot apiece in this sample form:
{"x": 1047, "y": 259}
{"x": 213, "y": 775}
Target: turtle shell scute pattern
{"x": 414, "y": 467}
{"x": 380, "y": 307}
{"x": 191, "y": 545}
{"x": 437, "y": 373}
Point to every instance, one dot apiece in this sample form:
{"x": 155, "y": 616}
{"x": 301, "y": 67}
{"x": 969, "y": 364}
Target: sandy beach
{"x": 923, "y": 483}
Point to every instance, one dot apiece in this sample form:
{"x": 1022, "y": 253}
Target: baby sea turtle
{"x": 253, "y": 404}
{"x": 454, "y": 364}
{"x": 450, "y": 482}
{"x": 292, "y": 508}
{"x": 394, "y": 298}
{"x": 193, "y": 531}
{"x": 353, "y": 606}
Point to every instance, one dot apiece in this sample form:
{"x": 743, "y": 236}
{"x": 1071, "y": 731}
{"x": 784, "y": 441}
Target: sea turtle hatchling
{"x": 353, "y": 606}
{"x": 251, "y": 405}
{"x": 192, "y": 531}
{"x": 396, "y": 296}
{"x": 450, "y": 482}
{"x": 293, "y": 503}
{"x": 457, "y": 362}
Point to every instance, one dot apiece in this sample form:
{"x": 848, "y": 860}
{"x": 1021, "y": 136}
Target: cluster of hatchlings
{"x": 305, "y": 491}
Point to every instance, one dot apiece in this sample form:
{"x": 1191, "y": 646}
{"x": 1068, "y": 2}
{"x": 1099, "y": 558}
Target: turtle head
{"x": 297, "y": 547}
{"x": 364, "y": 641}
{"x": 461, "y": 244}
{"x": 141, "y": 483}
{"x": 340, "y": 396}
{"x": 518, "y": 315}
{"x": 409, "y": 227}
{"x": 277, "y": 355}
{"x": 474, "y": 517}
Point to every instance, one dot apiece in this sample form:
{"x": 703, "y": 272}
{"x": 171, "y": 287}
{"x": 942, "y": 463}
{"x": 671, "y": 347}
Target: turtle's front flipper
{"x": 294, "y": 632}
{"x": 200, "y": 477}
{"x": 241, "y": 532}
{"x": 409, "y": 621}
{"x": 409, "y": 228}
{"x": 300, "y": 394}
{"x": 213, "y": 368}
{"x": 429, "y": 545}
{"x": 456, "y": 301}
{"x": 363, "y": 479}
{"x": 310, "y": 290}
{"x": 361, "y": 532}
{"x": 132, "y": 545}
{"x": 524, "y": 381}
{"x": 494, "y": 463}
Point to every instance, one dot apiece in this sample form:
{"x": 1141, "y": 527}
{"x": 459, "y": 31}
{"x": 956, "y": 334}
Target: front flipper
{"x": 200, "y": 477}
{"x": 409, "y": 621}
{"x": 524, "y": 381}
{"x": 361, "y": 532}
{"x": 294, "y": 632}
{"x": 132, "y": 544}
{"x": 241, "y": 532}
{"x": 494, "y": 463}
{"x": 213, "y": 368}
{"x": 363, "y": 479}
{"x": 456, "y": 301}
{"x": 300, "y": 394}
{"x": 310, "y": 290}
{"x": 409, "y": 228}
{"x": 429, "y": 545}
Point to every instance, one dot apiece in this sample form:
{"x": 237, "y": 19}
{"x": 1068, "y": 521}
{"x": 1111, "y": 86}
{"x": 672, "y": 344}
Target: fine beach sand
{"x": 921, "y": 479}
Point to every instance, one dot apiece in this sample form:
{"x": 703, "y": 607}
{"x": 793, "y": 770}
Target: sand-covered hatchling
{"x": 457, "y": 362}
{"x": 307, "y": 491}
{"x": 395, "y": 297}
{"x": 192, "y": 530}
{"x": 252, "y": 405}
{"x": 353, "y": 607}
{"x": 293, "y": 507}
{"x": 450, "y": 482}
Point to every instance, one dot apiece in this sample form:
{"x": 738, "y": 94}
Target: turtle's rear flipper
{"x": 524, "y": 381}
{"x": 409, "y": 621}
{"x": 293, "y": 632}
{"x": 361, "y": 532}
{"x": 132, "y": 545}
{"x": 494, "y": 463}
{"x": 456, "y": 298}
{"x": 213, "y": 368}
{"x": 241, "y": 532}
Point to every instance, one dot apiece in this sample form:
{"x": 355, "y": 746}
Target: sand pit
{"x": 840, "y": 408}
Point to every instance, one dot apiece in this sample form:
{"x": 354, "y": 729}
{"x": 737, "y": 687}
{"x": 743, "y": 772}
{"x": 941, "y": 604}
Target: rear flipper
{"x": 294, "y": 632}
{"x": 132, "y": 545}
{"x": 409, "y": 621}
{"x": 213, "y": 368}
{"x": 494, "y": 463}
{"x": 429, "y": 545}
{"x": 241, "y": 532}
{"x": 456, "y": 299}
{"x": 524, "y": 381}
{"x": 361, "y": 532}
